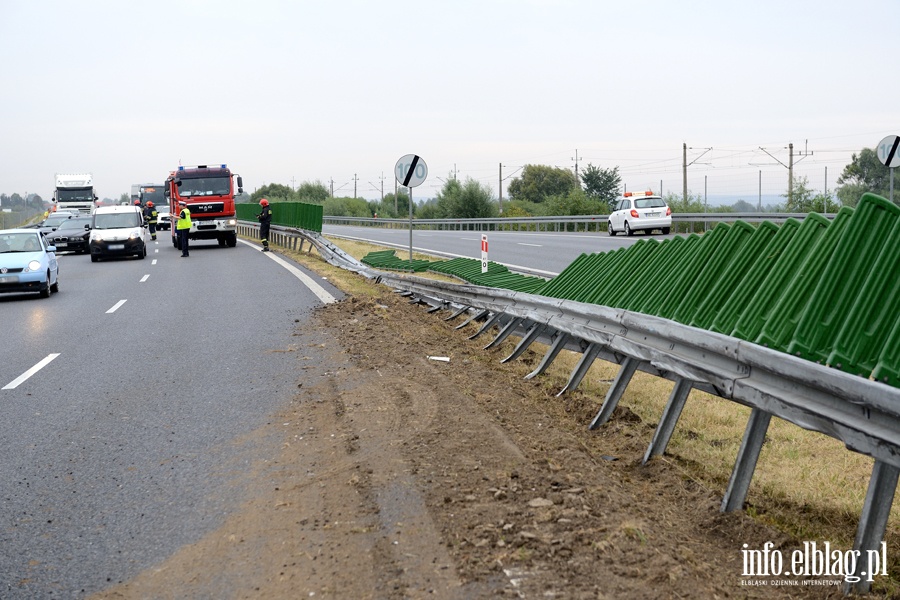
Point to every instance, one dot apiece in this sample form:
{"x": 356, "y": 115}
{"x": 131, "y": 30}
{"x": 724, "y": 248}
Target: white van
{"x": 117, "y": 231}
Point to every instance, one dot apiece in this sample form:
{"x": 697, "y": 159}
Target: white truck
{"x": 74, "y": 191}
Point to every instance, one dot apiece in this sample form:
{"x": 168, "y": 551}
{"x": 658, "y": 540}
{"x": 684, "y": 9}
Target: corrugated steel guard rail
{"x": 745, "y": 316}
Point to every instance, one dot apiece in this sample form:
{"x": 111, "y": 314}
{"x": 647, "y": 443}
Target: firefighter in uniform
{"x": 150, "y": 214}
{"x": 183, "y": 227}
{"x": 265, "y": 219}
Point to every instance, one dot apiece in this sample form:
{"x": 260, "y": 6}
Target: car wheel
{"x": 94, "y": 258}
{"x": 231, "y": 240}
{"x": 143, "y": 253}
{"x": 666, "y": 230}
{"x": 55, "y": 287}
{"x": 609, "y": 229}
{"x": 628, "y": 230}
{"x": 45, "y": 291}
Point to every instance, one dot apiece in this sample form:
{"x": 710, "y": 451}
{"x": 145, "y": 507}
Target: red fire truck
{"x": 209, "y": 194}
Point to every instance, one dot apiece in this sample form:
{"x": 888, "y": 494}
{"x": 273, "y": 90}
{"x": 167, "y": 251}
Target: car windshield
{"x": 73, "y": 224}
{"x": 19, "y": 242}
{"x": 55, "y": 220}
{"x": 650, "y": 203}
{"x": 115, "y": 221}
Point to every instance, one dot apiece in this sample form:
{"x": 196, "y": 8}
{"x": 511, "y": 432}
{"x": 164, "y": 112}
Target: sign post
{"x": 410, "y": 171}
{"x": 484, "y": 253}
{"x": 889, "y": 154}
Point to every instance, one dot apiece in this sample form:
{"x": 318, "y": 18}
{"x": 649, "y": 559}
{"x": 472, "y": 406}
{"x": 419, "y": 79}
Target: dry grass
{"x": 806, "y": 484}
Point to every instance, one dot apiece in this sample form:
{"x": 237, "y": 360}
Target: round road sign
{"x": 411, "y": 170}
{"x": 889, "y": 151}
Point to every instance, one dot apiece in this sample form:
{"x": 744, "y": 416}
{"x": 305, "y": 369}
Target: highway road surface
{"x": 124, "y": 400}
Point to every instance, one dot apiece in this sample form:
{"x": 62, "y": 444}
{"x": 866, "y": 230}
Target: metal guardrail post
{"x": 614, "y": 394}
{"x": 748, "y": 455}
{"x": 872, "y": 524}
{"x": 581, "y": 369}
{"x": 669, "y": 418}
{"x": 562, "y": 338}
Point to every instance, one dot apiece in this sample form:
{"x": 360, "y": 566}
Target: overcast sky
{"x": 294, "y": 91}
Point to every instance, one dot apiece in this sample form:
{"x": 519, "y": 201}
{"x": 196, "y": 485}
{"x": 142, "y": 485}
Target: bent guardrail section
{"x": 796, "y": 322}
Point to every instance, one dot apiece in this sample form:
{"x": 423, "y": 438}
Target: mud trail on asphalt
{"x": 397, "y": 476}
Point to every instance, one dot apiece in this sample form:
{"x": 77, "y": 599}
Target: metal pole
{"x": 684, "y": 172}
{"x": 759, "y": 202}
{"x": 500, "y": 184}
{"x": 705, "y": 204}
{"x": 825, "y": 201}
{"x": 410, "y": 223}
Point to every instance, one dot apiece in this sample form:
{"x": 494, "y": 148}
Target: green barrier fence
{"x": 824, "y": 290}
{"x": 287, "y": 214}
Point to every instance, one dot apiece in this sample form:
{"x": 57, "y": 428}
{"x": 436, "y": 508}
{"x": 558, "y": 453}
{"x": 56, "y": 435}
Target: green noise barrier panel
{"x": 824, "y": 290}
{"x": 299, "y": 215}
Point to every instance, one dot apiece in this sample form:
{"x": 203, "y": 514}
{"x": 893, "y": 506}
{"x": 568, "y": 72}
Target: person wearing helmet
{"x": 151, "y": 215}
{"x": 265, "y": 219}
{"x": 137, "y": 202}
{"x": 183, "y": 227}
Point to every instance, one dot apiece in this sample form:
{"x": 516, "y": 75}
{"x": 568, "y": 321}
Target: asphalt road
{"x": 542, "y": 253}
{"x": 127, "y": 443}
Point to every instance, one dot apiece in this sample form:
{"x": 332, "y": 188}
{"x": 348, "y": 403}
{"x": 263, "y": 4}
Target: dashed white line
{"x": 116, "y": 306}
{"x": 153, "y": 262}
{"x": 24, "y": 376}
{"x": 535, "y": 245}
{"x": 145, "y": 278}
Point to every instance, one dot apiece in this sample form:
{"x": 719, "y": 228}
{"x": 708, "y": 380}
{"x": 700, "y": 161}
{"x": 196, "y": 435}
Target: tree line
{"x": 542, "y": 190}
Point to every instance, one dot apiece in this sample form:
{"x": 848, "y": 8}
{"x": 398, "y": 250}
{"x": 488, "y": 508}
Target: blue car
{"x": 27, "y": 263}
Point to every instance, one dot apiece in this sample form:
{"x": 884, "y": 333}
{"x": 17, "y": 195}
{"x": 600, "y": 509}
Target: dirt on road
{"x": 401, "y": 475}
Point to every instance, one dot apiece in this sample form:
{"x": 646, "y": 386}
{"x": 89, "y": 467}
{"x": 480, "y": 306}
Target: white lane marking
{"x": 116, "y": 306}
{"x": 153, "y": 262}
{"x": 524, "y": 244}
{"x": 471, "y": 239}
{"x": 145, "y": 278}
{"x": 24, "y": 376}
{"x": 320, "y": 292}
{"x": 156, "y": 249}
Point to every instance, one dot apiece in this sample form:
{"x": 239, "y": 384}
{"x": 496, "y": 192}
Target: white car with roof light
{"x": 641, "y": 211}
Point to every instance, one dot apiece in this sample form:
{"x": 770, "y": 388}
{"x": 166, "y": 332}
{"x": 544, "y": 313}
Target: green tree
{"x": 468, "y": 200}
{"x": 806, "y": 200}
{"x": 402, "y": 203}
{"x": 539, "y": 182}
{"x": 346, "y": 207}
{"x": 274, "y": 192}
{"x": 125, "y": 198}
{"x": 312, "y": 192}
{"x": 576, "y": 202}
{"x": 743, "y": 206}
{"x": 602, "y": 184}
{"x": 865, "y": 173}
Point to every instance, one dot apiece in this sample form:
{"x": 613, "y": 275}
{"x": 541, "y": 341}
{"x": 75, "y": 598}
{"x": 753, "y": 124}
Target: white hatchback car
{"x": 640, "y": 211}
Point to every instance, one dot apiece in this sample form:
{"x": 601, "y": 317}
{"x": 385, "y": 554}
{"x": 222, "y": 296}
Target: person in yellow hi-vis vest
{"x": 183, "y": 228}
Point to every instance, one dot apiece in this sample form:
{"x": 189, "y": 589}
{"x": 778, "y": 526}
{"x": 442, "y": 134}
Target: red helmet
{"x": 150, "y": 203}
{"x": 137, "y": 202}
{"x": 263, "y": 202}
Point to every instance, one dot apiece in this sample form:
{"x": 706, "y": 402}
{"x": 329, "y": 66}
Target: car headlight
{"x": 232, "y": 221}
{"x": 136, "y": 234}
{"x": 34, "y": 265}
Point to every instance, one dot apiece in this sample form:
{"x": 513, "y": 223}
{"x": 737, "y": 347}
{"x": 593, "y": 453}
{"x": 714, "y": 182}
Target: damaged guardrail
{"x": 863, "y": 414}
